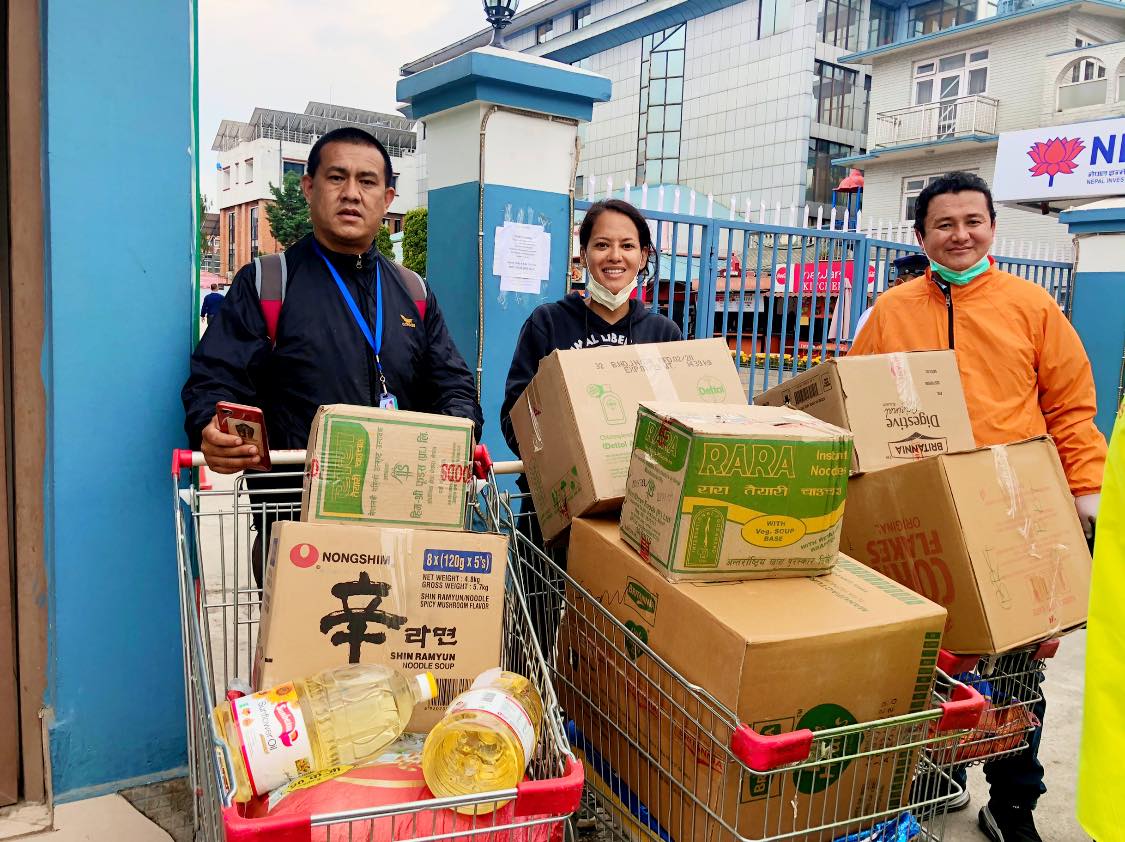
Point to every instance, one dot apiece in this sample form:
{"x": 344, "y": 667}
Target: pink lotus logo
{"x": 1054, "y": 157}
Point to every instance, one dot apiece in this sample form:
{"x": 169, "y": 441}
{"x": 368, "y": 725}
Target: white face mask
{"x": 608, "y": 299}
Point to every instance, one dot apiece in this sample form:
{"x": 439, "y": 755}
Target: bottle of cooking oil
{"x": 340, "y": 717}
{"x": 486, "y": 739}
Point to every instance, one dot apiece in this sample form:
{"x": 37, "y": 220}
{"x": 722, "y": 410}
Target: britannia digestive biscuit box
{"x": 414, "y": 599}
{"x": 991, "y": 534}
{"x": 389, "y": 467}
{"x": 782, "y": 655}
{"x": 720, "y": 491}
{"x": 899, "y": 407}
{"x": 575, "y": 421}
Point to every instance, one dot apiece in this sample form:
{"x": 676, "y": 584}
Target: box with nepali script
{"x": 735, "y": 492}
{"x": 414, "y": 599}
{"x": 382, "y": 466}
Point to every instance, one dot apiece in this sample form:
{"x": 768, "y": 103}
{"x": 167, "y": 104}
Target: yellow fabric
{"x": 1101, "y": 763}
{"x": 1023, "y": 367}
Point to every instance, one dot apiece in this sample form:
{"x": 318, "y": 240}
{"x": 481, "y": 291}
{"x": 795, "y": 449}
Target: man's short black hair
{"x": 351, "y": 134}
{"x": 953, "y": 182}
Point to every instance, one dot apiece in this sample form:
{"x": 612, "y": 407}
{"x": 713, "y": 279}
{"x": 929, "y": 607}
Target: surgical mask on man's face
{"x": 962, "y": 277}
{"x": 607, "y": 299}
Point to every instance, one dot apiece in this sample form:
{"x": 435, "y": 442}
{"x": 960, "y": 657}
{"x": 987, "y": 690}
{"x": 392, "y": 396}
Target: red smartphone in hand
{"x": 248, "y": 423}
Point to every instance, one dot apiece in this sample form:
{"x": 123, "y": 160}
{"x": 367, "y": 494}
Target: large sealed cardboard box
{"x": 719, "y": 491}
{"x": 575, "y": 420}
{"x": 900, "y": 407}
{"x": 782, "y": 655}
{"x": 382, "y": 466}
{"x": 991, "y": 534}
{"x": 413, "y": 599}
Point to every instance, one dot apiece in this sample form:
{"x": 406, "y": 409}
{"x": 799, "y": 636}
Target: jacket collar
{"x": 347, "y": 262}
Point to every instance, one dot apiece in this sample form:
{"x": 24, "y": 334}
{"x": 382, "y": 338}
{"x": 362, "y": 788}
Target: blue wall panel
{"x": 118, "y": 123}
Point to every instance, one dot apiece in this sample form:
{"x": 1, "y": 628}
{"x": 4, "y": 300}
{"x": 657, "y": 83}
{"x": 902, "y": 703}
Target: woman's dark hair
{"x": 954, "y": 182}
{"x": 644, "y": 235}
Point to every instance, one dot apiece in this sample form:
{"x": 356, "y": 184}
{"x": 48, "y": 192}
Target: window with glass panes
{"x": 881, "y": 30}
{"x": 253, "y": 232}
{"x": 292, "y": 166}
{"x": 822, "y": 176}
{"x": 949, "y": 77}
{"x": 774, "y": 16}
{"x": 837, "y": 22}
{"x": 941, "y": 14}
{"x": 834, "y": 91}
{"x": 1084, "y": 84}
{"x": 662, "y": 99}
{"x": 912, "y": 187}
{"x": 582, "y": 16}
{"x": 230, "y": 241}
{"x": 544, "y": 31}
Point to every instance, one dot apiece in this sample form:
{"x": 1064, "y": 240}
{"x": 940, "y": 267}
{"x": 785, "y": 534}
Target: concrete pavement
{"x": 1058, "y": 753}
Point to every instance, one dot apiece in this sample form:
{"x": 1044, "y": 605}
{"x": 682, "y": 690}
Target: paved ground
{"x": 1058, "y": 753}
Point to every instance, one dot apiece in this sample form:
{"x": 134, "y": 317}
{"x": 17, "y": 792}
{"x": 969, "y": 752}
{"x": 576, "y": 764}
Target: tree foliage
{"x": 288, "y": 214}
{"x": 383, "y": 242}
{"x": 414, "y": 227}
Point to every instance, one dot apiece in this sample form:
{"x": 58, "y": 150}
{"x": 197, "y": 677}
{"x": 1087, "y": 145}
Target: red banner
{"x": 819, "y": 278}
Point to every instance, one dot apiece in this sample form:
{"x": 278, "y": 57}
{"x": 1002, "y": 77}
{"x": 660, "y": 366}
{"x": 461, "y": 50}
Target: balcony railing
{"x": 950, "y": 118}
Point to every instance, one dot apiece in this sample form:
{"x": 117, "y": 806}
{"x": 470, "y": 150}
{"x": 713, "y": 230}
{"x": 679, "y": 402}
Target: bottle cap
{"x": 427, "y": 686}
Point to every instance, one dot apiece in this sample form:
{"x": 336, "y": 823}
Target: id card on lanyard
{"x": 386, "y": 399}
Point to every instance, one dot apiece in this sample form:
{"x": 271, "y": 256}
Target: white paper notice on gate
{"x": 521, "y": 256}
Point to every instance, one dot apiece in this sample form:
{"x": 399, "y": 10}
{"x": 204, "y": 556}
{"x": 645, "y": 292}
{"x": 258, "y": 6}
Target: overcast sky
{"x": 283, "y": 53}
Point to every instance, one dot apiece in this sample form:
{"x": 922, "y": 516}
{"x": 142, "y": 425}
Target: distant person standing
{"x": 212, "y": 303}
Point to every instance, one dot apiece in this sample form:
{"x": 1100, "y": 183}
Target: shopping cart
{"x": 1012, "y": 685}
{"x": 219, "y": 613}
{"x": 686, "y": 769}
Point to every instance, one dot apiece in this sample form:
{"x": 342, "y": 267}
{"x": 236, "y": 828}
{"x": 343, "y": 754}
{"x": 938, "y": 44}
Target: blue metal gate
{"x": 785, "y": 297}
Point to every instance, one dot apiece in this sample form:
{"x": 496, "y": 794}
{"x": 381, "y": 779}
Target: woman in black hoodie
{"x": 617, "y": 251}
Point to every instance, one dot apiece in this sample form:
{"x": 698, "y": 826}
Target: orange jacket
{"x": 1023, "y": 367}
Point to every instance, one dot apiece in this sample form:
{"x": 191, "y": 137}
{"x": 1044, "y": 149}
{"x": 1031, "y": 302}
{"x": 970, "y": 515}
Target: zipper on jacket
{"x": 948, "y": 290}
{"x": 359, "y": 261}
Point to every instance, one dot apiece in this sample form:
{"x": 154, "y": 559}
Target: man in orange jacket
{"x": 1024, "y": 372}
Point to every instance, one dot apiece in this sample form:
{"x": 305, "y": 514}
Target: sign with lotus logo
{"x": 1076, "y": 161}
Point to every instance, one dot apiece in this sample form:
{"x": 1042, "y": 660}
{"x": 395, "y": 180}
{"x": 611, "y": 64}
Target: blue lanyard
{"x": 376, "y": 341}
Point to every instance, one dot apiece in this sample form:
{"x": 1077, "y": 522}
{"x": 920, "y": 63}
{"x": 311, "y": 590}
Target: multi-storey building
{"x": 256, "y": 154}
{"x": 942, "y": 95}
{"x": 730, "y": 97}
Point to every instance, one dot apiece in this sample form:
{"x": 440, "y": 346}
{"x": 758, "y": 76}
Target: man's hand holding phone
{"x": 234, "y": 440}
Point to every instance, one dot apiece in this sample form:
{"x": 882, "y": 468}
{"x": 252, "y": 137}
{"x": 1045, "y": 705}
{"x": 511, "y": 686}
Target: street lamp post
{"x": 499, "y": 14}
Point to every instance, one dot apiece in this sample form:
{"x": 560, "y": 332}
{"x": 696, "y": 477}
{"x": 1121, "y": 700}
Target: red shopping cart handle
{"x": 482, "y": 462}
{"x": 766, "y": 752}
{"x": 554, "y": 797}
{"x": 181, "y": 459}
{"x": 1047, "y": 649}
{"x": 953, "y": 664}
{"x": 963, "y": 710}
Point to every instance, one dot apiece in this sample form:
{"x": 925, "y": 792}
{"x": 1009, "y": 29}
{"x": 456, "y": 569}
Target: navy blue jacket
{"x": 321, "y": 356}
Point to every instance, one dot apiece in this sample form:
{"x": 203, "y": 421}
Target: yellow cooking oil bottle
{"x": 339, "y": 717}
{"x": 485, "y": 740}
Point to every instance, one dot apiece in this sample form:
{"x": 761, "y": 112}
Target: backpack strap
{"x": 270, "y": 278}
{"x": 415, "y": 286}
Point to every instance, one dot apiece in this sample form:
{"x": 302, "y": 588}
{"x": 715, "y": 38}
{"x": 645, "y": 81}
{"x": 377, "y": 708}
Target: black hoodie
{"x": 567, "y": 324}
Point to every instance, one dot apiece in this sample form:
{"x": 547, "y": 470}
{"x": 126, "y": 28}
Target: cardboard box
{"x": 850, "y": 646}
{"x": 900, "y": 407}
{"x": 990, "y": 534}
{"x": 575, "y": 420}
{"x": 719, "y": 492}
{"x": 382, "y": 466}
{"x": 413, "y": 599}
